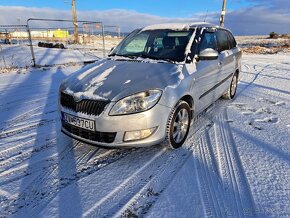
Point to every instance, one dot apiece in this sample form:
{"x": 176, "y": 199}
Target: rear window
{"x": 232, "y": 40}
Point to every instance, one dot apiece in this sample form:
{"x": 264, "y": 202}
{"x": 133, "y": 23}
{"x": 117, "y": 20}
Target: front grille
{"x": 105, "y": 137}
{"x": 91, "y": 107}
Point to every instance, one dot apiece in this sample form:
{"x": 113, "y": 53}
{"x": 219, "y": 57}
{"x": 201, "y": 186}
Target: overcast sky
{"x": 244, "y": 17}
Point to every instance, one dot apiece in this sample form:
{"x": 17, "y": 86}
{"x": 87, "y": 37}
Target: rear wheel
{"x": 231, "y": 92}
{"x": 178, "y": 125}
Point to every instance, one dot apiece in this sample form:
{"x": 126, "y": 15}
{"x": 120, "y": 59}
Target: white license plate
{"x": 79, "y": 122}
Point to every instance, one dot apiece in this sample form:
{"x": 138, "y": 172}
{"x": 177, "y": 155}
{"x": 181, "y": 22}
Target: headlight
{"x": 136, "y": 103}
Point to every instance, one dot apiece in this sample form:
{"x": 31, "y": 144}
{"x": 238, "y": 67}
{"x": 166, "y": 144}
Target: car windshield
{"x": 167, "y": 45}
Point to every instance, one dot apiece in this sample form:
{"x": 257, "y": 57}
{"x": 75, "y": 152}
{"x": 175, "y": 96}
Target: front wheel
{"x": 231, "y": 91}
{"x": 178, "y": 125}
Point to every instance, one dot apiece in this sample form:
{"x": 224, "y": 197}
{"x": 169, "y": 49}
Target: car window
{"x": 222, "y": 40}
{"x": 138, "y": 44}
{"x": 232, "y": 40}
{"x": 156, "y": 44}
{"x": 208, "y": 41}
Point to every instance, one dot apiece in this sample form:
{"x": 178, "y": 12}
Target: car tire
{"x": 178, "y": 125}
{"x": 231, "y": 91}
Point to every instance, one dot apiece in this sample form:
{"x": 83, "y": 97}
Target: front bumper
{"x": 155, "y": 117}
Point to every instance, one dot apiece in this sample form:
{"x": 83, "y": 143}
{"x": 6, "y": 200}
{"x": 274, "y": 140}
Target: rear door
{"x": 227, "y": 62}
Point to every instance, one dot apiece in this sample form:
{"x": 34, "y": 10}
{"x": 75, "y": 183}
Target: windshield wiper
{"x": 156, "y": 58}
{"x": 143, "y": 55}
{"x": 125, "y": 56}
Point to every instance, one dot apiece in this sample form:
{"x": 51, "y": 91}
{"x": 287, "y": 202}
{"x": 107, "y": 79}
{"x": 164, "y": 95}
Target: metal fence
{"x": 42, "y": 40}
{"x": 59, "y": 34}
{"x": 9, "y": 38}
{"x": 8, "y": 34}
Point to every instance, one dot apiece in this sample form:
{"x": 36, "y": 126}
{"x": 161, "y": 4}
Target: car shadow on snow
{"x": 52, "y": 160}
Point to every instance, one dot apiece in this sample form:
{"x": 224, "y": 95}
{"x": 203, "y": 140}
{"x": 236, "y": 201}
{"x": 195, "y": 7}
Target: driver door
{"x": 205, "y": 74}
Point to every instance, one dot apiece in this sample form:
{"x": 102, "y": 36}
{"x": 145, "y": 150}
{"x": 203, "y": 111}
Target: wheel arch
{"x": 189, "y": 100}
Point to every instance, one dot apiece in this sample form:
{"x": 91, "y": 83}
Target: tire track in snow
{"x": 19, "y": 138}
{"x": 10, "y": 105}
{"x": 29, "y": 113}
{"x": 27, "y": 127}
{"x": 26, "y": 93}
{"x": 29, "y": 165}
{"x": 210, "y": 185}
{"x": 43, "y": 189}
{"x": 3, "y": 87}
{"x": 127, "y": 189}
{"x": 84, "y": 167}
{"x": 22, "y": 117}
{"x": 33, "y": 116}
{"x": 138, "y": 193}
{"x": 19, "y": 202}
{"x": 22, "y": 155}
{"x": 144, "y": 199}
{"x": 236, "y": 189}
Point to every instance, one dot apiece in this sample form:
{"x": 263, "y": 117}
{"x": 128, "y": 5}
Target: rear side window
{"x": 232, "y": 40}
{"x": 208, "y": 41}
{"x": 222, "y": 40}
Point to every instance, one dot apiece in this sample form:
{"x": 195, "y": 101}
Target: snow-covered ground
{"x": 236, "y": 161}
{"x": 263, "y": 44}
{"x": 245, "y": 41}
{"x": 20, "y": 56}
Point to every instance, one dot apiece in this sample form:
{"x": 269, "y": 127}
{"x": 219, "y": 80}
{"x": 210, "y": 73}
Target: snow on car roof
{"x": 175, "y": 26}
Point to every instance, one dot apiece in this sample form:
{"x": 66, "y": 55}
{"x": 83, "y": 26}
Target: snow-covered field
{"x": 236, "y": 161}
{"x": 263, "y": 45}
{"x": 20, "y": 56}
{"x": 259, "y": 40}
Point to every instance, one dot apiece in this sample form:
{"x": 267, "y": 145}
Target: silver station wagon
{"x": 151, "y": 85}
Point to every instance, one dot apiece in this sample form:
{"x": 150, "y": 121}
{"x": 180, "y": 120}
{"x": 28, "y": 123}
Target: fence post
{"x": 104, "y": 46}
{"x": 3, "y": 56}
{"x": 30, "y": 44}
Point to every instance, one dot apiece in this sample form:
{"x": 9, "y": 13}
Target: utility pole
{"x": 119, "y": 31}
{"x": 222, "y": 19}
{"x": 75, "y": 23}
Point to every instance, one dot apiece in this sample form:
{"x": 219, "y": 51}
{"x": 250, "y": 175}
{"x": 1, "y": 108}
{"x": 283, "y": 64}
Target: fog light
{"x": 138, "y": 134}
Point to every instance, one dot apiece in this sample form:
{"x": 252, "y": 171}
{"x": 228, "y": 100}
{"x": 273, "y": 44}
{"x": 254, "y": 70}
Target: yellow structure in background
{"x": 60, "y": 33}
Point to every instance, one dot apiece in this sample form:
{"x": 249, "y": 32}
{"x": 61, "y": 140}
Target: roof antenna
{"x": 205, "y": 16}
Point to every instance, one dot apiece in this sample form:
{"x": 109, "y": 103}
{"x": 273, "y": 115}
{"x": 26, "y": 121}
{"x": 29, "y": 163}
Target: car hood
{"x": 113, "y": 79}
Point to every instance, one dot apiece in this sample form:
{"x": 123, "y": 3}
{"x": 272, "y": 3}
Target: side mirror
{"x": 208, "y": 54}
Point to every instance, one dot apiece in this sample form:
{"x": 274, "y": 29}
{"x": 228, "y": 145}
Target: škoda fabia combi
{"x": 151, "y": 86}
